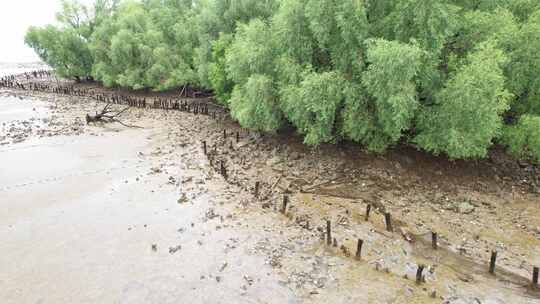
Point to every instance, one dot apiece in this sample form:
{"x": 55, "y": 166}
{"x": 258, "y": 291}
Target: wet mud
{"x": 105, "y": 213}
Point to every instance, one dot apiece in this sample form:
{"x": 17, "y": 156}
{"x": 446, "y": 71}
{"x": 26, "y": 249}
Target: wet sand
{"x": 109, "y": 214}
{"x": 80, "y": 216}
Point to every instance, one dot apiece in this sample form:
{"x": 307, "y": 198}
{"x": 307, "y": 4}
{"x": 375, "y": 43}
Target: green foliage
{"x": 389, "y": 79}
{"x": 480, "y": 26}
{"x": 340, "y": 28}
{"x": 313, "y": 106}
{"x": 430, "y": 22}
{"x": 220, "y": 83}
{"x": 251, "y": 52}
{"x": 523, "y": 8}
{"x": 255, "y": 104}
{"x": 64, "y": 50}
{"x": 146, "y": 45}
{"x": 291, "y": 31}
{"x": 524, "y": 66}
{"x": 359, "y": 120}
{"x": 467, "y": 116}
{"x": 66, "y": 47}
{"x": 439, "y": 74}
{"x": 215, "y": 17}
{"x": 523, "y": 139}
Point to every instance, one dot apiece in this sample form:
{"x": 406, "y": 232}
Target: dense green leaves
{"x": 439, "y": 74}
{"x": 64, "y": 50}
{"x": 313, "y": 105}
{"x": 219, "y": 80}
{"x": 251, "y": 52}
{"x": 467, "y": 115}
{"x": 255, "y": 104}
{"x": 524, "y": 66}
{"x": 66, "y": 47}
{"x": 389, "y": 79}
{"x": 523, "y": 139}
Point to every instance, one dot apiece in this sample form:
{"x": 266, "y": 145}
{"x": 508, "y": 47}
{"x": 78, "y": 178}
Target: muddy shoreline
{"x": 475, "y": 207}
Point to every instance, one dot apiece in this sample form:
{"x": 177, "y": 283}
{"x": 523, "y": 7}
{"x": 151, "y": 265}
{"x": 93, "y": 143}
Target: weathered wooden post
{"x": 285, "y": 203}
{"x": 388, "y": 220}
{"x": 434, "y": 240}
{"x": 257, "y": 185}
{"x": 359, "y": 249}
{"x": 536, "y": 270}
{"x": 328, "y": 233}
{"x": 419, "y": 276}
{"x": 492, "y": 262}
{"x": 223, "y": 170}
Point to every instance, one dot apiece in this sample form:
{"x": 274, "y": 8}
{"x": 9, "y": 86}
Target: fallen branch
{"x": 108, "y": 116}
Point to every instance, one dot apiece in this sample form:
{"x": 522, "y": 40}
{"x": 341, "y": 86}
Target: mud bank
{"x": 99, "y": 214}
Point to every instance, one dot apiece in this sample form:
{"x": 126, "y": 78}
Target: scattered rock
{"x": 173, "y": 250}
{"x": 183, "y": 199}
{"x": 223, "y": 266}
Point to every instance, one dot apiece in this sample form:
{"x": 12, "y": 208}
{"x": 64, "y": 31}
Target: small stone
{"x": 225, "y": 264}
{"x": 173, "y": 250}
{"x": 183, "y": 199}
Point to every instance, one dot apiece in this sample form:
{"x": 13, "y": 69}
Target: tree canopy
{"x": 451, "y": 77}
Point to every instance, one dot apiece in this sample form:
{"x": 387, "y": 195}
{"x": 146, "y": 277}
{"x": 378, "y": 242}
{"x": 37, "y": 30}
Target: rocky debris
{"x": 155, "y": 170}
{"x": 183, "y": 198}
{"x": 173, "y": 250}
{"x": 223, "y": 266}
{"x": 248, "y": 280}
{"x": 210, "y": 215}
{"x": 303, "y": 221}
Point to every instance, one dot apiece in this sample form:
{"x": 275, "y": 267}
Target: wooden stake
{"x": 257, "y": 185}
{"x": 224, "y": 133}
{"x": 223, "y": 170}
{"x": 237, "y": 137}
{"x": 536, "y": 270}
{"x": 328, "y": 233}
{"x": 204, "y": 147}
{"x": 285, "y": 202}
{"x": 388, "y": 219}
{"x": 434, "y": 240}
{"x": 419, "y": 276}
{"x": 492, "y": 262}
{"x": 368, "y": 210}
{"x": 359, "y": 249}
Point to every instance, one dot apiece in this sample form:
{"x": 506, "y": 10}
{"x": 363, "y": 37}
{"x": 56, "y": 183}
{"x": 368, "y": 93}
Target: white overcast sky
{"x": 15, "y": 18}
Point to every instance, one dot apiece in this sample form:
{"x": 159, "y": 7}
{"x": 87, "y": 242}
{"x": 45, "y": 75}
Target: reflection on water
{"x": 18, "y": 68}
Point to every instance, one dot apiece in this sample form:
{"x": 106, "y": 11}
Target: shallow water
{"x": 79, "y": 217}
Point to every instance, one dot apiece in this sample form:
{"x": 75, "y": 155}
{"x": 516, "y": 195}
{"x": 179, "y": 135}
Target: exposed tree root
{"x": 108, "y": 116}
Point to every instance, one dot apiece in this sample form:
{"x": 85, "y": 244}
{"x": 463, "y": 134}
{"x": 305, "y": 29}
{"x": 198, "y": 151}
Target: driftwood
{"x": 108, "y": 116}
